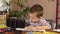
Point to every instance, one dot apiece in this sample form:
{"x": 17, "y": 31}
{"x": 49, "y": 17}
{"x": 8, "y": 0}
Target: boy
{"x": 36, "y": 20}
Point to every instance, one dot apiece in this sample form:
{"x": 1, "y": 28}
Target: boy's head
{"x": 37, "y": 9}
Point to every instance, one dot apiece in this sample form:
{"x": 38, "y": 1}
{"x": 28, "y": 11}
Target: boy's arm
{"x": 45, "y": 24}
{"x": 42, "y": 27}
{"x": 31, "y": 28}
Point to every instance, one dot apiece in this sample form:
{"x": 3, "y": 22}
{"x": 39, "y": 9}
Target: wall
{"x": 49, "y": 7}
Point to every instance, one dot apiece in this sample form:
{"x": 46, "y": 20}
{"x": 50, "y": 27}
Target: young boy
{"x": 36, "y": 19}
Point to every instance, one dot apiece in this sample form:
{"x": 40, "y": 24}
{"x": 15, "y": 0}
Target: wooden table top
{"x": 25, "y": 32}
{"x": 47, "y": 32}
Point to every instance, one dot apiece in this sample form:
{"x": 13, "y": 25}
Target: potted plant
{"x": 19, "y": 14}
{"x": 22, "y": 13}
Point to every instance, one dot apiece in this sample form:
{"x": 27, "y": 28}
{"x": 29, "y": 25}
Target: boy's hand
{"x": 30, "y": 28}
{"x": 42, "y": 27}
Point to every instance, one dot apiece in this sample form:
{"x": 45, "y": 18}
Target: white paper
{"x": 20, "y": 29}
{"x": 58, "y": 30}
{"x": 24, "y": 29}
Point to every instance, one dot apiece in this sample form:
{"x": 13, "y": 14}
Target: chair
{"x": 52, "y": 23}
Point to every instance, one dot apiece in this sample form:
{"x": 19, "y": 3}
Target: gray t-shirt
{"x": 41, "y": 22}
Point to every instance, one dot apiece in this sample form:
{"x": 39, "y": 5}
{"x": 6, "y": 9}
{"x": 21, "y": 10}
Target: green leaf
{"x": 58, "y": 24}
{"x": 58, "y": 4}
{"x": 20, "y": 2}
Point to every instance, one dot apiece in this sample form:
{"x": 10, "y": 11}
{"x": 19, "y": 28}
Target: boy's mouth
{"x": 34, "y": 21}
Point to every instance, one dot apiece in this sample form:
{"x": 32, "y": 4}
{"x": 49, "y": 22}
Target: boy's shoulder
{"x": 43, "y": 19}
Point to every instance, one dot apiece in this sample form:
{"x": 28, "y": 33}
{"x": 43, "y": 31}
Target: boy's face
{"x": 33, "y": 17}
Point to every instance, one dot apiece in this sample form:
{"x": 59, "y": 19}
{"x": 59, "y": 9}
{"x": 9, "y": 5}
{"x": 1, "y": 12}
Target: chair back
{"x": 52, "y": 23}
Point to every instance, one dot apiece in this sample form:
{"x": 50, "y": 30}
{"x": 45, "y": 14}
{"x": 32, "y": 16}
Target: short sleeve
{"x": 44, "y": 22}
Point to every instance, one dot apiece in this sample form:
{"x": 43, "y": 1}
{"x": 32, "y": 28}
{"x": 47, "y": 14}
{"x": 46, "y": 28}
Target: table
{"x": 48, "y": 30}
{"x": 41, "y": 33}
{"x": 23, "y": 32}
